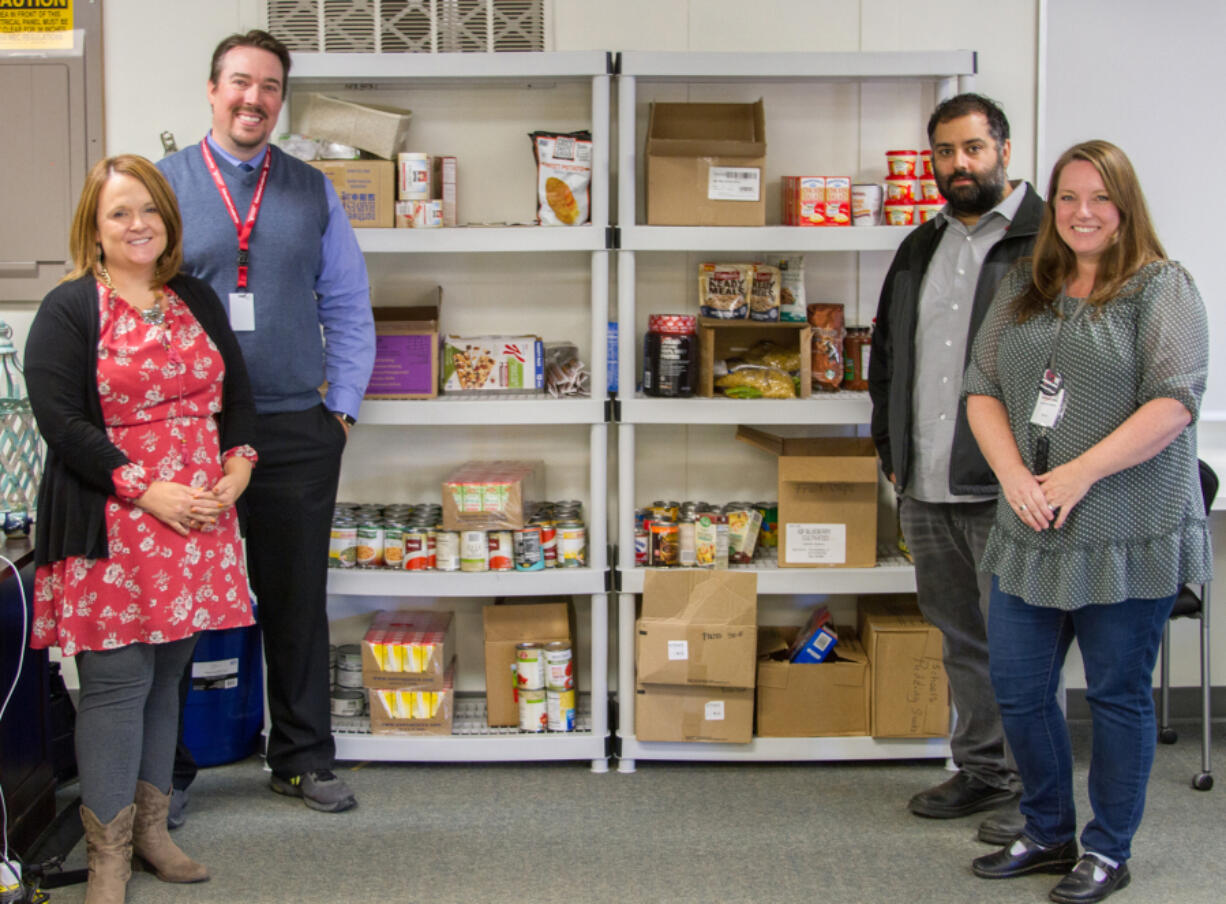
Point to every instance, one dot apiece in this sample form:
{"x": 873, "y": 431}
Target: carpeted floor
{"x": 671, "y": 832}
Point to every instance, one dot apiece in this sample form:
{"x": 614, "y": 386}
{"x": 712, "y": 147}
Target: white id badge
{"x": 1050, "y": 404}
{"x": 242, "y": 312}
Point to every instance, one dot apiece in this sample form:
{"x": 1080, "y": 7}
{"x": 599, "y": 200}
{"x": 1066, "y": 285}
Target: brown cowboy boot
{"x": 109, "y": 850}
{"x": 151, "y": 845}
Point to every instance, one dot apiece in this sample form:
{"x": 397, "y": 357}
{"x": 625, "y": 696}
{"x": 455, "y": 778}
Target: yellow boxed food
{"x": 413, "y": 711}
{"x": 407, "y": 649}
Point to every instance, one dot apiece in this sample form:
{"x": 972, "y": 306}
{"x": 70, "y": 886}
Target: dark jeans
{"x": 1119, "y": 645}
{"x": 947, "y": 542}
{"x": 289, "y": 521}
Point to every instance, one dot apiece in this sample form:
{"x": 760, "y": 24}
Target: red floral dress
{"x": 160, "y": 387}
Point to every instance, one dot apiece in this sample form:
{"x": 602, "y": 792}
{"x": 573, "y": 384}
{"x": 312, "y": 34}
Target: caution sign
{"x": 35, "y": 15}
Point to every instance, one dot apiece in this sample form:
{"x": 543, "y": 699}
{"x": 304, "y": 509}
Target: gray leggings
{"x": 128, "y": 721}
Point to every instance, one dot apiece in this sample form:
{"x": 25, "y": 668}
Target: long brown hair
{"x": 83, "y": 236}
{"x": 1136, "y": 245}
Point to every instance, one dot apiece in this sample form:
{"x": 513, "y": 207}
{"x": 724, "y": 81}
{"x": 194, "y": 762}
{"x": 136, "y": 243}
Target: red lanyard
{"x": 243, "y": 229}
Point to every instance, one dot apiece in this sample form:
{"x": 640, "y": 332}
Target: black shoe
{"x": 962, "y": 795}
{"x": 1080, "y": 886}
{"x": 1024, "y": 855}
{"x": 1002, "y": 826}
{"x": 320, "y": 789}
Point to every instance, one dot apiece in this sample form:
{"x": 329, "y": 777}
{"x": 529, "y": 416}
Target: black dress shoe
{"x": 1080, "y": 886}
{"x": 962, "y": 795}
{"x": 1024, "y": 855}
{"x": 1002, "y": 826}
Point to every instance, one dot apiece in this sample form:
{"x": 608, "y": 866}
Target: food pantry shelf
{"x": 782, "y": 749}
{"x": 490, "y": 239}
{"x": 502, "y": 409}
{"x": 391, "y": 582}
{"x": 893, "y": 574}
{"x": 739, "y": 239}
{"x": 837, "y": 408}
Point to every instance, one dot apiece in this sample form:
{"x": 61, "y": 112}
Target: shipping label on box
{"x": 407, "y": 649}
{"x": 506, "y": 627}
{"x": 413, "y": 711}
{"x": 801, "y": 700}
{"x": 493, "y": 363}
{"x": 734, "y": 183}
{"x": 366, "y": 189}
{"x": 693, "y": 714}
{"x": 910, "y": 696}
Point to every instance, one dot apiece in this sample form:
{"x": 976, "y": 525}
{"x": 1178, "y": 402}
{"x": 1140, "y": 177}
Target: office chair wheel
{"x": 1168, "y": 735}
{"x": 1203, "y": 781}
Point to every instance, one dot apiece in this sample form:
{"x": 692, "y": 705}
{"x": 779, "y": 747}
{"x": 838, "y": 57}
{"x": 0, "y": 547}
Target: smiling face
{"x": 968, "y": 165}
{"x": 130, "y": 227}
{"x": 246, "y": 99}
{"x": 1086, "y": 218}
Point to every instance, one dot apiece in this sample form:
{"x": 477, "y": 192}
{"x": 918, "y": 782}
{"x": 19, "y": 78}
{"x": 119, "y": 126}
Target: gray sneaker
{"x": 175, "y": 816}
{"x": 319, "y": 789}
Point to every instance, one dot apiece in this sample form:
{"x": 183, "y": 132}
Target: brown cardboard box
{"x": 406, "y": 351}
{"x": 697, "y": 628}
{"x": 367, "y": 189}
{"x": 910, "y": 696}
{"x": 827, "y": 499}
{"x": 407, "y": 649}
{"x": 720, "y": 339}
{"x": 491, "y": 495}
{"x": 375, "y": 128}
{"x": 690, "y": 150}
{"x": 706, "y": 714}
{"x": 506, "y": 626}
{"x": 809, "y": 700}
{"x": 413, "y": 711}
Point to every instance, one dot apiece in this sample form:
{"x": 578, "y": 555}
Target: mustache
{"x": 251, "y": 108}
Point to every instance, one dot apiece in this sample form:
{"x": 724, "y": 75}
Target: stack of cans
{"x": 545, "y": 686}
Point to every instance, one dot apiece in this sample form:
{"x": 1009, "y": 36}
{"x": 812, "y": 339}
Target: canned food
{"x": 664, "y": 544}
{"x": 528, "y": 554}
{"x": 393, "y": 544}
{"x": 343, "y": 545}
{"x": 687, "y": 543}
{"x": 559, "y": 666}
{"x": 431, "y": 547}
{"x": 532, "y": 714}
{"x": 349, "y": 678}
{"x": 474, "y": 551}
{"x": 369, "y": 544}
{"x": 500, "y": 550}
{"x": 641, "y": 546}
{"x": 529, "y": 666}
{"x": 549, "y": 542}
{"x": 560, "y": 709}
{"x": 348, "y": 702}
{"x": 447, "y": 550}
{"x": 416, "y": 550}
{"x": 572, "y": 545}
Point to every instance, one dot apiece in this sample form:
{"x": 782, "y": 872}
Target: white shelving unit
{"x": 952, "y": 71}
{"x": 471, "y": 740}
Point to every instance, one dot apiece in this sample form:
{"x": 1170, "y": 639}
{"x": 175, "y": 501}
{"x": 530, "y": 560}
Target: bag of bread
{"x": 563, "y": 177}
{"x": 792, "y": 289}
{"x": 723, "y": 290}
{"x": 827, "y": 348}
{"x": 764, "y": 293}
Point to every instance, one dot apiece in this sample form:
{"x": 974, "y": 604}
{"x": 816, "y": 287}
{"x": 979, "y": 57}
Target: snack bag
{"x": 724, "y": 289}
{"x": 764, "y": 294}
{"x": 792, "y": 289}
{"x": 563, "y": 177}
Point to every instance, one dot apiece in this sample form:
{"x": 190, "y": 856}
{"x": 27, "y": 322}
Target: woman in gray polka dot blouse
{"x": 1082, "y": 391}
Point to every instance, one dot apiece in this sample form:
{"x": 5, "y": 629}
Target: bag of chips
{"x": 563, "y": 177}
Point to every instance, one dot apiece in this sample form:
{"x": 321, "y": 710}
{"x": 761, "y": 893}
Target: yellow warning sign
{"x": 35, "y": 16}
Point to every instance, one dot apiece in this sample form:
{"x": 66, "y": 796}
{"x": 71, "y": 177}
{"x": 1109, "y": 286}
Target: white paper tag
{"x": 678, "y": 649}
{"x": 242, "y": 312}
{"x": 815, "y": 544}
{"x": 734, "y": 183}
{"x": 714, "y": 711}
{"x": 215, "y": 669}
{"x": 1047, "y": 409}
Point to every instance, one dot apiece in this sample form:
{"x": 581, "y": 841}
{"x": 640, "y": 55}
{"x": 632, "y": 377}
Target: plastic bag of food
{"x": 723, "y": 290}
{"x": 756, "y": 381}
{"x": 772, "y": 355}
{"x": 792, "y": 289}
{"x": 565, "y": 374}
{"x": 828, "y": 334}
{"x": 563, "y": 177}
{"x": 764, "y": 293}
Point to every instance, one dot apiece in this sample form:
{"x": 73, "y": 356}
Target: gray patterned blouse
{"x": 1139, "y": 533}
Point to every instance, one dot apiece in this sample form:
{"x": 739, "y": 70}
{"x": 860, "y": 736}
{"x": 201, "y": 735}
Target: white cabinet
{"x": 394, "y": 75}
{"x": 947, "y": 72}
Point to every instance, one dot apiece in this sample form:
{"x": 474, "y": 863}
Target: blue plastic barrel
{"x": 225, "y": 706}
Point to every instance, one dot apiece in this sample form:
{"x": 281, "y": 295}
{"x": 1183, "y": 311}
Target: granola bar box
{"x": 493, "y": 364}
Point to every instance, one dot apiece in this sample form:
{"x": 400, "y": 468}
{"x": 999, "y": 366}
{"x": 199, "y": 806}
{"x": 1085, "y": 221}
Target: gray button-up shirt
{"x": 944, "y": 320}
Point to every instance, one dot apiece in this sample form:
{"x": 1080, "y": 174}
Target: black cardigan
{"x": 61, "y": 366}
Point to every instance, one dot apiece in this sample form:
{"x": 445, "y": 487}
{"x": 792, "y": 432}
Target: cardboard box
{"x": 702, "y": 714}
{"x": 827, "y": 499}
{"x": 378, "y": 129}
{"x": 407, "y": 649}
{"x": 406, "y": 352}
{"x": 910, "y": 695}
{"x": 720, "y": 339}
{"x": 367, "y": 189}
{"x": 506, "y": 626}
{"x": 706, "y": 165}
{"x": 697, "y": 628}
{"x": 445, "y": 170}
{"x": 493, "y": 363}
{"x": 412, "y": 711}
{"x": 810, "y": 700}
{"x": 491, "y": 495}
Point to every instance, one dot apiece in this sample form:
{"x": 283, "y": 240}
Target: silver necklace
{"x": 152, "y": 316}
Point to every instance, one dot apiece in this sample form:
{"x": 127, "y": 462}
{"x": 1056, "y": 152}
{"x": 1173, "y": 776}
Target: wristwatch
{"x": 350, "y": 421}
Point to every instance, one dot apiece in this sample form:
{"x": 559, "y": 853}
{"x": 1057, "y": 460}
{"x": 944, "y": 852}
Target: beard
{"x": 979, "y": 196}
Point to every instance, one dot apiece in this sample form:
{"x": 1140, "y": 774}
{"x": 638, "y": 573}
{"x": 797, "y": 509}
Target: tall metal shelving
{"x": 951, "y": 71}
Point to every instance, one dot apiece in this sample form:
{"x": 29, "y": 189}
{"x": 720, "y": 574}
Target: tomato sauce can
{"x": 559, "y": 666}
{"x": 416, "y": 551}
{"x": 500, "y": 550}
{"x": 549, "y": 542}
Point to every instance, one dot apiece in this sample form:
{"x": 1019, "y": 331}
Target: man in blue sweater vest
{"x": 268, "y": 233}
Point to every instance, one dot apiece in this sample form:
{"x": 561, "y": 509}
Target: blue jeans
{"x": 1119, "y": 645}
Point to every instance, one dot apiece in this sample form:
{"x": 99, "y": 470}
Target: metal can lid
{"x": 557, "y": 646}
{"x": 672, "y": 323}
{"x": 528, "y": 645}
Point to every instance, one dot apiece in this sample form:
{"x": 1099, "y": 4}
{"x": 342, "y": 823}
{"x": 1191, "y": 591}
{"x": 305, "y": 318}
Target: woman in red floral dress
{"x": 139, "y": 390}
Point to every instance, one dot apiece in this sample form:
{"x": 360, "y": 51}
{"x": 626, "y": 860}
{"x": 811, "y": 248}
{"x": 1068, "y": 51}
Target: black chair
{"x": 1190, "y": 604}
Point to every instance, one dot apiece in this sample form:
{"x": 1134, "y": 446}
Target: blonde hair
{"x": 1136, "y": 244}
{"x": 83, "y": 237}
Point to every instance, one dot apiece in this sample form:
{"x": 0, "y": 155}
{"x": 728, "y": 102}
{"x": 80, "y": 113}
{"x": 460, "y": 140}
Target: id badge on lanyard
{"x": 242, "y": 302}
{"x": 1049, "y": 406}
